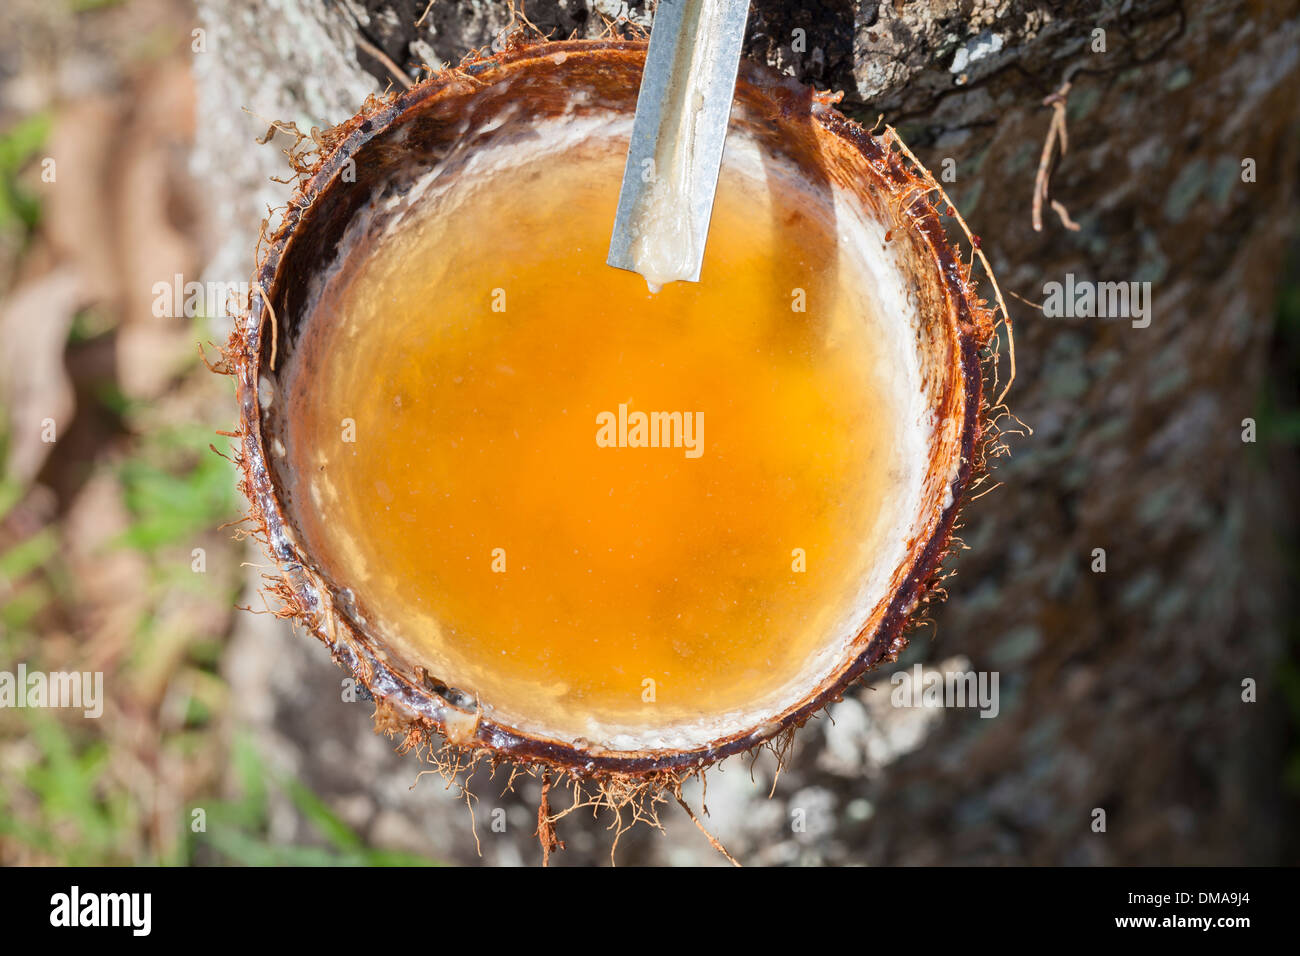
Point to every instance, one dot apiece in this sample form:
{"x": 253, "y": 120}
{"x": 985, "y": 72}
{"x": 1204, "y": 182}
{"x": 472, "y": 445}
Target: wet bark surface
{"x": 1119, "y": 690}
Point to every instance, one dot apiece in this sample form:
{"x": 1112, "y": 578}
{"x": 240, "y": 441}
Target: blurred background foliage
{"x": 113, "y": 556}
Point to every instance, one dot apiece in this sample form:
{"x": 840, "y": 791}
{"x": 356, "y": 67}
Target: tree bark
{"x": 1121, "y": 690}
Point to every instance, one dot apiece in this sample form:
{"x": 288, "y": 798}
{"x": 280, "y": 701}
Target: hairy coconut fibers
{"x": 603, "y": 512}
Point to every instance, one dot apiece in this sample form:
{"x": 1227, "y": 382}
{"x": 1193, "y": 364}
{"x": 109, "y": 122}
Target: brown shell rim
{"x": 416, "y": 707}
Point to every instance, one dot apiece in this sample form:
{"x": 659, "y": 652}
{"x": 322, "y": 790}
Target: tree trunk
{"x": 1121, "y": 690}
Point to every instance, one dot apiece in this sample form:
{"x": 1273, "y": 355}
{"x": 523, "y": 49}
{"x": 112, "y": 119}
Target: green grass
{"x": 176, "y": 488}
{"x": 77, "y": 823}
{"x": 80, "y": 822}
{"x": 236, "y": 831}
{"x": 19, "y": 144}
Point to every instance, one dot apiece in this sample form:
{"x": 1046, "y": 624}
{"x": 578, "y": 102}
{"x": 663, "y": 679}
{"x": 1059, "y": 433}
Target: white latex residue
{"x": 663, "y": 247}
